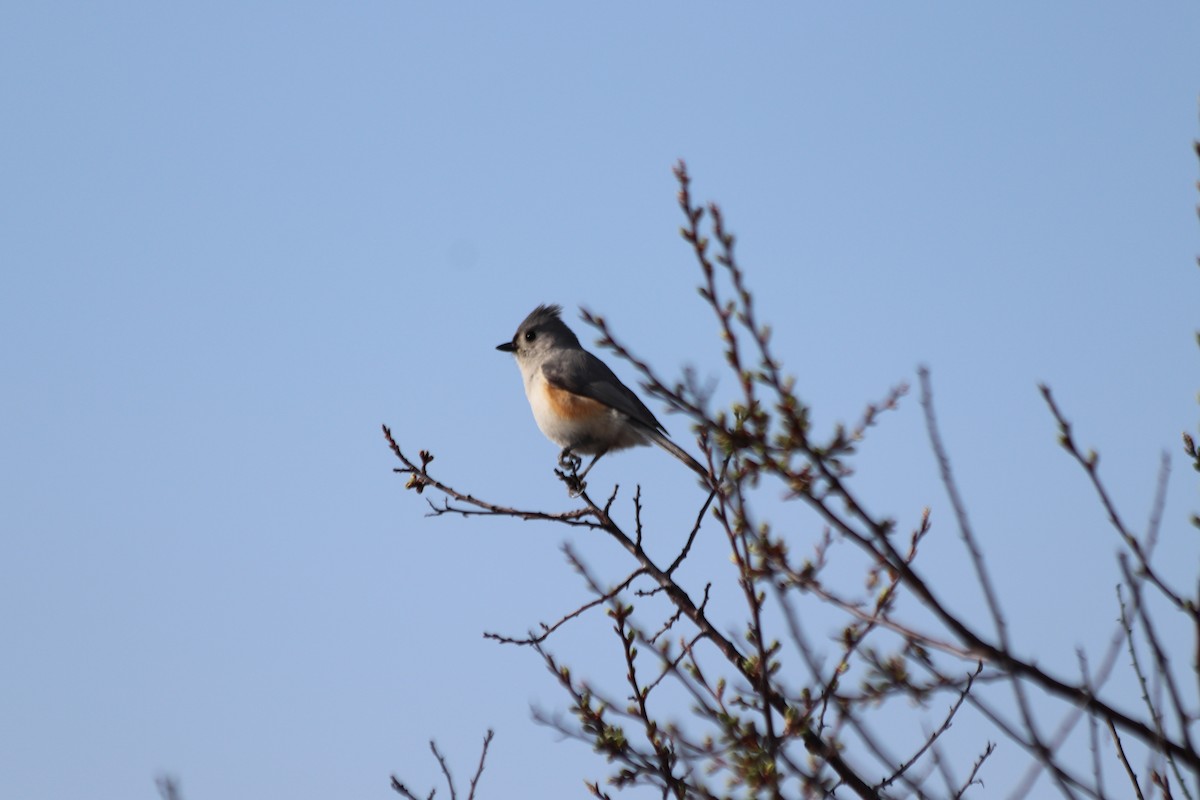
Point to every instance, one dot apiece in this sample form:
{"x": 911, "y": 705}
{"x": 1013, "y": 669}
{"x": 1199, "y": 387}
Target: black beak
{"x": 507, "y": 347}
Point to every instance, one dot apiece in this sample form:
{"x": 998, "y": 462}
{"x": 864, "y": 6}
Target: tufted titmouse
{"x": 576, "y": 399}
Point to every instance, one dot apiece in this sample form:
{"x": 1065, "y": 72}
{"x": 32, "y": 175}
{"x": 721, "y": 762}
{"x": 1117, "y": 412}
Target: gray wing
{"x": 581, "y": 372}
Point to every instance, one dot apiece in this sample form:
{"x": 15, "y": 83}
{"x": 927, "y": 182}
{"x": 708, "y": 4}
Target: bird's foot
{"x": 569, "y": 474}
{"x": 568, "y": 460}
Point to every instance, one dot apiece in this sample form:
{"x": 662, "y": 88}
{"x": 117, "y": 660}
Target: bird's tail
{"x": 662, "y": 441}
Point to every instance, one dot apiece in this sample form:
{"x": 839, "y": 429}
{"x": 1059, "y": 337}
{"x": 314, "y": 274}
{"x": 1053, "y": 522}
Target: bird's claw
{"x": 569, "y": 461}
{"x": 569, "y": 474}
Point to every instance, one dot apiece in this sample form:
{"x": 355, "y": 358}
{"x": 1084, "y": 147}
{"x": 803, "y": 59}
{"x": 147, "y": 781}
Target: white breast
{"x": 611, "y": 431}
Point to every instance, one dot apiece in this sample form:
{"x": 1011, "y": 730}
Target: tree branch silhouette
{"x": 777, "y": 712}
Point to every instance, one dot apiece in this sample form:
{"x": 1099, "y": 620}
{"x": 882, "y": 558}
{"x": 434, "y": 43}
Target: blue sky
{"x": 238, "y": 237}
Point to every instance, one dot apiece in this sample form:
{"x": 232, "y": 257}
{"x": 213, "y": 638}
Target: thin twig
{"x": 487, "y": 740}
{"x": 1133, "y": 779}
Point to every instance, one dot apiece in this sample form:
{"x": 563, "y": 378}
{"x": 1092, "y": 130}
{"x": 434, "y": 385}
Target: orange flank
{"x": 572, "y": 406}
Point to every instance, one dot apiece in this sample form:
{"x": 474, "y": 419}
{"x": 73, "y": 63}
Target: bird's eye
{"x": 530, "y": 335}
